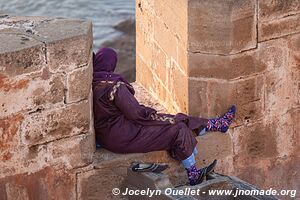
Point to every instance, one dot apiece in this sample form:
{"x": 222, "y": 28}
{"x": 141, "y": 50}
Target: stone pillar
{"x": 201, "y": 56}
{"x": 46, "y": 117}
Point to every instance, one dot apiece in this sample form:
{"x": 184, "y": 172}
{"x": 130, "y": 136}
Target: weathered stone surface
{"x": 213, "y": 146}
{"x": 215, "y": 66}
{"x": 57, "y": 123}
{"x": 279, "y": 92}
{"x": 144, "y": 30}
{"x": 197, "y": 101}
{"x": 69, "y": 46}
{"x": 272, "y": 9}
{"x": 165, "y": 38}
{"x": 43, "y": 139}
{"x": 285, "y": 130}
{"x": 249, "y": 90}
{"x": 45, "y": 184}
{"x": 278, "y": 28}
{"x": 79, "y": 84}
{"x": 144, "y": 78}
{"x": 177, "y": 84}
{"x": 221, "y": 27}
{"x": 20, "y": 54}
{"x": 146, "y": 99}
{"x": 99, "y": 183}
{"x": 9, "y": 134}
{"x": 73, "y": 152}
{"x": 252, "y": 143}
{"x": 209, "y": 26}
{"x": 167, "y": 11}
{"x": 66, "y": 153}
{"x": 243, "y": 33}
{"x": 30, "y": 92}
{"x": 283, "y": 169}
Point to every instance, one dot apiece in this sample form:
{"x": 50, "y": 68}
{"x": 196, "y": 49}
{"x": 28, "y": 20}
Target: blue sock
{"x": 202, "y": 132}
{"x": 188, "y": 162}
{"x": 195, "y": 151}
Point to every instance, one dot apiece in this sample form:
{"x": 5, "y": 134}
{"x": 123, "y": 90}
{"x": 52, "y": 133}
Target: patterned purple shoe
{"x": 196, "y": 176}
{"x": 222, "y": 123}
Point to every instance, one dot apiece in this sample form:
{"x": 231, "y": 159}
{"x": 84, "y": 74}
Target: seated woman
{"x": 122, "y": 125}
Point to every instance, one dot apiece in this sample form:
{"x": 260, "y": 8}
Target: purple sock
{"x": 222, "y": 123}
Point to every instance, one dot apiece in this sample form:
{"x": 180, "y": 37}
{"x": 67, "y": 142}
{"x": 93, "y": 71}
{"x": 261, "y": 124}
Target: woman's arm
{"x": 132, "y": 110}
{"x": 129, "y": 106}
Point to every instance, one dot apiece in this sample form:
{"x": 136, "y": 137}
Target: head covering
{"x": 105, "y": 60}
{"x": 104, "y": 64}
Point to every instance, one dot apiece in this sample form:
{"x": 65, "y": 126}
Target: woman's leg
{"x": 220, "y": 124}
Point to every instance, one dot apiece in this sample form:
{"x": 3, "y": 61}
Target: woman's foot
{"x": 222, "y": 123}
{"x": 196, "y": 176}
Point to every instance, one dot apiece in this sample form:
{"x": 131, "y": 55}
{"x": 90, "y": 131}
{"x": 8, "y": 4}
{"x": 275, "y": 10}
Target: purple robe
{"x": 122, "y": 125}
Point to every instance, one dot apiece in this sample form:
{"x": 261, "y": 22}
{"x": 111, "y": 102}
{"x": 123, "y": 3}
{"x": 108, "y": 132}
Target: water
{"x": 103, "y": 13}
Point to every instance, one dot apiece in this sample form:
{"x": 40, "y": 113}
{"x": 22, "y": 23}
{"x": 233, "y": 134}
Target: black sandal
{"x": 148, "y": 167}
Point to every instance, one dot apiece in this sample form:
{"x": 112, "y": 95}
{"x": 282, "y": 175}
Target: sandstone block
{"x": 182, "y": 58}
{"x": 254, "y": 142}
{"x": 211, "y": 99}
{"x": 284, "y": 170}
{"x": 20, "y": 54}
{"x": 249, "y": 112}
{"x": 66, "y": 153}
{"x": 79, "y": 84}
{"x": 213, "y": 146}
{"x": 221, "y": 27}
{"x": 243, "y": 33}
{"x": 208, "y": 26}
{"x": 30, "y": 92}
{"x": 159, "y": 63}
{"x": 69, "y": 46}
{"x": 285, "y": 130}
{"x": 165, "y": 38}
{"x": 144, "y": 30}
{"x": 280, "y": 92}
{"x": 174, "y": 15}
{"x": 178, "y": 85}
{"x": 72, "y": 152}
{"x": 208, "y": 98}
{"x": 272, "y": 9}
{"x": 249, "y": 90}
{"x": 278, "y": 28}
{"x": 144, "y": 48}
{"x": 274, "y": 53}
{"x": 44, "y": 184}
{"x": 294, "y": 57}
{"x": 210, "y": 66}
{"x": 144, "y": 74}
{"x": 99, "y": 183}
{"x": 9, "y": 134}
{"x": 108, "y": 173}
{"x": 57, "y": 123}
{"x": 197, "y": 99}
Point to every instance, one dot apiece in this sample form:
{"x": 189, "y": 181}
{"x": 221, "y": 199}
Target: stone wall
{"x": 201, "y": 56}
{"x": 46, "y": 132}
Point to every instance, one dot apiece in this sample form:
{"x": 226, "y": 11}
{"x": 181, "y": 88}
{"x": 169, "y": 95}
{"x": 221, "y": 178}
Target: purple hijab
{"x": 104, "y": 64}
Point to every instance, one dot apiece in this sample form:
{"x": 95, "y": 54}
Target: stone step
{"x": 153, "y": 182}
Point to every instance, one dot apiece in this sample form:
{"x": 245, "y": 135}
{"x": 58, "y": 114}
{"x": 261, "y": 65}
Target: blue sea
{"x": 103, "y": 13}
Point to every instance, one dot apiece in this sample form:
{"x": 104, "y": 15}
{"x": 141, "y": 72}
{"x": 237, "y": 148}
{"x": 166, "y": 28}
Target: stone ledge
{"x": 64, "y": 44}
